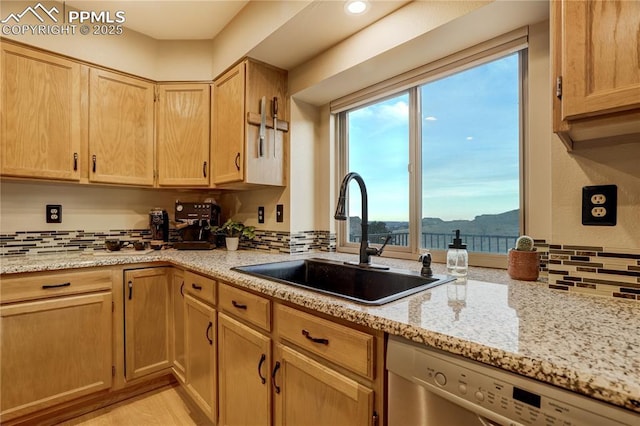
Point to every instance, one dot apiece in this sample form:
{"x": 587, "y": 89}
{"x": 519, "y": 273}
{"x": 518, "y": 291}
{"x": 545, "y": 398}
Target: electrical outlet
{"x": 599, "y": 205}
{"x": 54, "y": 213}
{"x": 261, "y": 214}
{"x": 279, "y": 213}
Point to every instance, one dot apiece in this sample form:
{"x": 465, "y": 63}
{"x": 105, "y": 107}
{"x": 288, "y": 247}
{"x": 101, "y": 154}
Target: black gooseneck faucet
{"x": 365, "y": 251}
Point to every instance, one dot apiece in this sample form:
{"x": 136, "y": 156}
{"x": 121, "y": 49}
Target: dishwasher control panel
{"x": 503, "y": 398}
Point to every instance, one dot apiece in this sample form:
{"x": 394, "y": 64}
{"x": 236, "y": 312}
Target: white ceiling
{"x": 316, "y": 28}
{"x": 170, "y": 20}
{"x": 320, "y": 25}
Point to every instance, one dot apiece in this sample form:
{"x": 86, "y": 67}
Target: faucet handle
{"x": 378, "y": 251}
{"x": 386, "y": 241}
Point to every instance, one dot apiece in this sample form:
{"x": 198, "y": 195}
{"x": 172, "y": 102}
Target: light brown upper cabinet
{"x": 183, "y": 134}
{"x": 120, "y": 129}
{"x": 596, "y": 57}
{"x": 240, "y": 156}
{"x": 40, "y": 109}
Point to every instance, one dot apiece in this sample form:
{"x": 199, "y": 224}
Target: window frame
{"x": 514, "y": 42}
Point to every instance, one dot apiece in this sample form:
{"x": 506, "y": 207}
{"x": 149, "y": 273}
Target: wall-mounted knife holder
{"x": 254, "y": 119}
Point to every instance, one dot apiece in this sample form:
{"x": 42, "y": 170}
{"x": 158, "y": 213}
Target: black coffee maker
{"x": 195, "y": 221}
{"x": 159, "y": 226}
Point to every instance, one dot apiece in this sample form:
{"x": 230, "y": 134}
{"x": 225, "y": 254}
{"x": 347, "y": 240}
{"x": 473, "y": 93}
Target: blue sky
{"x": 469, "y": 150}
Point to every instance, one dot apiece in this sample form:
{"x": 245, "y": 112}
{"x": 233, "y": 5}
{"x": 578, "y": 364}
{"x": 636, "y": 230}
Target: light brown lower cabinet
{"x": 244, "y": 381}
{"x": 200, "y": 339}
{"x": 54, "y": 350}
{"x": 310, "y": 393}
{"x": 146, "y": 318}
{"x": 177, "y": 324}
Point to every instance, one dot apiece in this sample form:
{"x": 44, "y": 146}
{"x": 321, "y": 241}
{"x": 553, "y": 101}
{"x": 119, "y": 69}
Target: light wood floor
{"x": 163, "y": 407}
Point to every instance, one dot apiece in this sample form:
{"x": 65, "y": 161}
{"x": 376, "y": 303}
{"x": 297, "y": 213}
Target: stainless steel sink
{"x": 363, "y": 285}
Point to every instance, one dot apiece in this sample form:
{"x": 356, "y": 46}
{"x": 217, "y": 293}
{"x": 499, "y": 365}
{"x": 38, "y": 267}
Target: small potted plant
{"x": 524, "y": 262}
{"x": 233, "y": 231}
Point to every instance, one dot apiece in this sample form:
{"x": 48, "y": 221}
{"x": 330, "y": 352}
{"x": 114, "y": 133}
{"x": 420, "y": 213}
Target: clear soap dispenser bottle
{"x": 457, "y": 257}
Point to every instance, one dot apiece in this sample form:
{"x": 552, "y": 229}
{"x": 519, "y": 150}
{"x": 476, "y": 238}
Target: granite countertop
{"x": 583, "y": 343}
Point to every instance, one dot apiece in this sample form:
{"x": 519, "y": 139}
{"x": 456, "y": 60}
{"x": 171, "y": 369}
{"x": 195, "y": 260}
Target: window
{"x": 379, "y": 152}
{"x": 442, "y": 155}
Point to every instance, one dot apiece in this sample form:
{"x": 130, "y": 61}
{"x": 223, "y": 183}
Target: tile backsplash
{"x": 593, "y": 269}
{"x": 43, "y": 242}
{"x": 564, "y": 267}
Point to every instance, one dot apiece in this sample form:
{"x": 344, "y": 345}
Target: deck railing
{"x": 436, "y": 241}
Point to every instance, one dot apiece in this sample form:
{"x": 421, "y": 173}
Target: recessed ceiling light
{"x": 356, "y": 7}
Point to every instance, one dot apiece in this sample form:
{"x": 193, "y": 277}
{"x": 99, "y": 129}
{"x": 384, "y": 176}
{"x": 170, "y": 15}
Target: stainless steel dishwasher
{"x": 433, "y": 388}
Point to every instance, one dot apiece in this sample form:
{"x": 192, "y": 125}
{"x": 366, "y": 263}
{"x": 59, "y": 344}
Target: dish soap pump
{"x": 457, "y": 257}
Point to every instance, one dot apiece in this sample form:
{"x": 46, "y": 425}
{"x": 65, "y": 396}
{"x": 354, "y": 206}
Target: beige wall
{"x": 249, "y": 27}
{"x": 596, "y": 164}
{"x": 84, "y": 207}
{"x": 537, "y": 152}
{"x": 129, "y": 52}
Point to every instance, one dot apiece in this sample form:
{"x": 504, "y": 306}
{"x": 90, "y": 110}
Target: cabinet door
{"x": 183, "y": 134}
{"x": 120, "y": 129}
{"x": 40, "y": 109}
{"x": 600, "y": 56}
{"x": 177, "y": 323}
{"x": 228, "y": 126}
{"x": 54, "y": 350}
{"x": 146, "y": 316}
{"x": 200, "y": 325}
{"x": 270, "y": 82}
{"x": 309, "y": 393}
{"x": 244, "y": 357}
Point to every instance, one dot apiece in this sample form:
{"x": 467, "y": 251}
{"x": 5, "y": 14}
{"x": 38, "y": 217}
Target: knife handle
{"x": 275, "y": 107}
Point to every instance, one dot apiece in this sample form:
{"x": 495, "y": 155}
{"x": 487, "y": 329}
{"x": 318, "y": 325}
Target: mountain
{"x": 504, "y": 224}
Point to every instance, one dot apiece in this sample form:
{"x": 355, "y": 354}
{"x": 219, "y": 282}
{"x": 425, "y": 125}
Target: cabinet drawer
{"x": 38, "y": 285}
{"x": 342, "y": 345}
{"x": 250, "y": 307}
{"x": 201, "y": 287}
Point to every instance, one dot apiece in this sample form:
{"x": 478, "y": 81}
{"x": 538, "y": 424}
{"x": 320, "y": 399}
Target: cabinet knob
{"x": 273, "y": 376}
{"x": 207, "y": 333}
{"x": 237, "y": 161}
{"x": 322, "y": 341}
{"x": 263, "y": 379}
{"x": 238, "y": 305}
{"x": 45, "y": 287}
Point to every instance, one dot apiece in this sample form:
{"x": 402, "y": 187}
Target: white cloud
{"x": 430, "y": 118}
{"x": 469, "y": 138}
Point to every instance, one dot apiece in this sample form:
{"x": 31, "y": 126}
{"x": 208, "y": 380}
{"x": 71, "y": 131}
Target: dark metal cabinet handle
{"x": 263, "y": 357}
{"x": 237, "y": 161}
{"x": 75, "y": 161}
{"x": 204, "y": 169}
{"x": 130, "y": 289}
{"x": 207, "y": 333}
{"x": 196, "y": 287}
{"x": 306, "y": 334}
{"x": 238, "y": 305}
{"x": 273, "y": 376}
{"x": 182, "y": 289}
{"x": 48, "y": 286}
{"x": 94, "y": 160}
